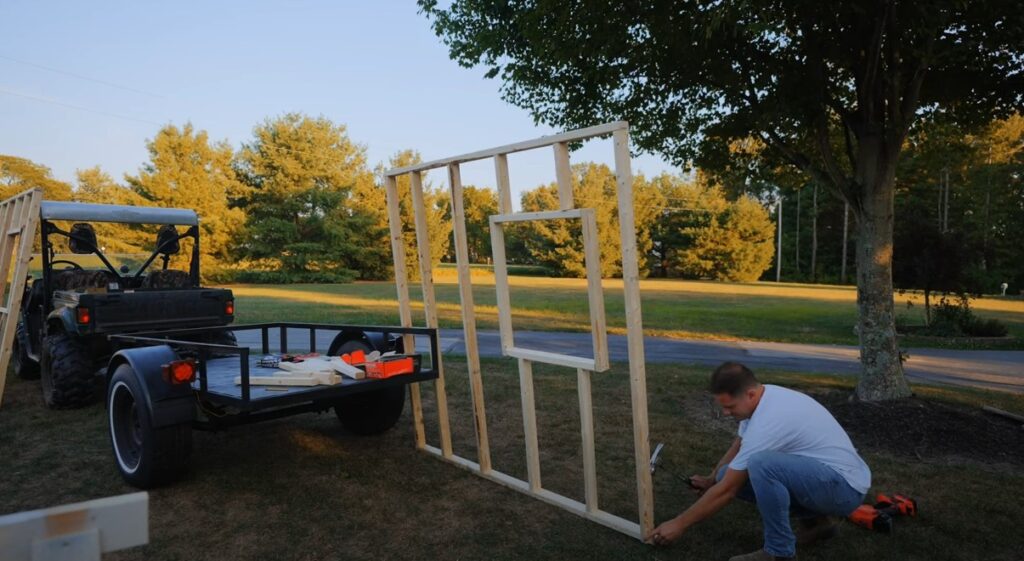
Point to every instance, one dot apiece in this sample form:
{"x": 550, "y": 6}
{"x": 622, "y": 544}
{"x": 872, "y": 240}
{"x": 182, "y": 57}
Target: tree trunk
{"x": 846, "y": 228}
{"x": 882, "y": 377}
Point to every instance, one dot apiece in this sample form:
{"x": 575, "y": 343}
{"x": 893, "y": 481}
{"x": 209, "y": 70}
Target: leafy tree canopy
{"x": 186, "y": 170}
{"x": 831, "y": 88}
{"x": 18, "y": 174}
{"x": 301, "y": 172}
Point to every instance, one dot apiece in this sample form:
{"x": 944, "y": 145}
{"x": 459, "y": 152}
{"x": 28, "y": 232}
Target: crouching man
{"x": 790, "y": 457}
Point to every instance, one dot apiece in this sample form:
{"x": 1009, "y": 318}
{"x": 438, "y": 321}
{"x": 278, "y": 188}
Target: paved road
{"x": 997, "y": 370}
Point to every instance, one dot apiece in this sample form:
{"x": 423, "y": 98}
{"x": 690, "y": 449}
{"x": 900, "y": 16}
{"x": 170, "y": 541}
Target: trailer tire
{"x": 24, "y": 366}
{"x": 371, "y": 412}
{"x": 147, "y": 457}
{"x": 223, "y": 338}
{"x": 67, "y": 373}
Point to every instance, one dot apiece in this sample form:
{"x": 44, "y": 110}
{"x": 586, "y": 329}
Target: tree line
{"x": 299, "y": 202}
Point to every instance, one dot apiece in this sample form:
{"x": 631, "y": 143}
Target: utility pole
{"x": 778, "y": 244}
{"x": 846, "y": 227}
{"x": 798, "y": 192}
{"x": 814, "y": 236}
{"x": 945, "y": 214}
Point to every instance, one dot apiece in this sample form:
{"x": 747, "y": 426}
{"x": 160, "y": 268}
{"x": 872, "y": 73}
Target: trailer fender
{"x": 376, "y": 341}
{"x": 63, "y": 319}
{"x": 168, "y": 404}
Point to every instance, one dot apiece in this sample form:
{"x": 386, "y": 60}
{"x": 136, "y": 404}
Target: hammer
{"x": 656, "y": 457}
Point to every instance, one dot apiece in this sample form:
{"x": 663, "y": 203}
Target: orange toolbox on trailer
{"x": 390, "y": 366}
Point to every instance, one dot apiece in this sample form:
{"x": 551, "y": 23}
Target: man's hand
{"x": 701, "y": 484}
{"x": 667, "y": 533}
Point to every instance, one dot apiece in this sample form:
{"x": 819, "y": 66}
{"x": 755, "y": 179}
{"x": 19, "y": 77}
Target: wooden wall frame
{"x": 19, "y": 216}
{"x": 588, "y": 509}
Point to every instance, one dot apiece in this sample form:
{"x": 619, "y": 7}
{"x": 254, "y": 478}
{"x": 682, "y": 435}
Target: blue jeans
{"x": 781, "y": 484}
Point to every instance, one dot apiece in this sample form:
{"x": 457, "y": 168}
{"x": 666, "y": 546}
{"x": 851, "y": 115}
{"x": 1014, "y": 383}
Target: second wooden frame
{"x": 595, "y": 293}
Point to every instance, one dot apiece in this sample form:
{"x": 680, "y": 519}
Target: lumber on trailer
{"x": 293, "y": 379}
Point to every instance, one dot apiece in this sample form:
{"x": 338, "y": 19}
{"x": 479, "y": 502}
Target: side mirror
{"x": 168, "y": 234}
{"x": 82, "y": 240}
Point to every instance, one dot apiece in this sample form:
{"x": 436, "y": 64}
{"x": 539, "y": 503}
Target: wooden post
{"x": 469, "y": 318}
{"x": 529, "y": 424}
{"x": 587, "y": 434}
{"x": 563, "y": 173}
{"x": 503, "y": 183}
{"x": 501, "y": 286}
{"x": 595, "y": 294}
{"x": 404, "y": 309}
{"x": 634, "y": 331}
{"x": 429, "y": 304}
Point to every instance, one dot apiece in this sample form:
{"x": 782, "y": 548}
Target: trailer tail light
{"x": 229, "y": 307}
{"x": 179, "y": 371}
{"x": 82, "y": 315}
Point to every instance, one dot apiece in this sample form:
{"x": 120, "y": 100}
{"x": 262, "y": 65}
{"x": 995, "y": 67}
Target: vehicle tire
{"x": 67, "y": 372}
{"x": 223, "y": 338}
{"x": 147, "y": 457}
{"x": 371, "y": 412}
{"x": 24, "y": 367}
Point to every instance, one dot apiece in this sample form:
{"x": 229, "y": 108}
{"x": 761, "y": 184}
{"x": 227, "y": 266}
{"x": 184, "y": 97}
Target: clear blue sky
{"x": 124, "y": 69}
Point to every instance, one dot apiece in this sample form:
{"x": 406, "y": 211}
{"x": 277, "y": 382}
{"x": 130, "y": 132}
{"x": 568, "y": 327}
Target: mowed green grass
{"x": 671, "y": 308}
{"x": 302, "y": 488}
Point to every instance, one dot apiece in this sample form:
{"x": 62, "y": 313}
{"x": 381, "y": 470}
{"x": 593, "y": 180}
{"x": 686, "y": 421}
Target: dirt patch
{"x": 925, "y": 429}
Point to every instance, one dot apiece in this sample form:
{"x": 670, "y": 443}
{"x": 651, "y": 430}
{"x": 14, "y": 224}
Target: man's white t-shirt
{"x": 790, "y": 422}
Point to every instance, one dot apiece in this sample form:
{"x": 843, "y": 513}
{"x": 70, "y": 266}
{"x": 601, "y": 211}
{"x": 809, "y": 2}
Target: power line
{"x": 78, "y": 107}
{"x": 81, "y": 77}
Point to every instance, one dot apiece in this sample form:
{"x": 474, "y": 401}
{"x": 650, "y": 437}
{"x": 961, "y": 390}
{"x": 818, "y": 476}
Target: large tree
{"x": 19, "y": 174}
{"x": 437, "y": 210}
{"x": 96, "y": 186}
{"x": 831, "y": 87}
{"x": 187, "y": 170}
{"x": 300, "y": 225}
{"x": 558, "y": 245}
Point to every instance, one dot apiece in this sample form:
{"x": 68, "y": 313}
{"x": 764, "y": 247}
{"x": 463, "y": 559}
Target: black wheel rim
{"x": 125, "y": 427}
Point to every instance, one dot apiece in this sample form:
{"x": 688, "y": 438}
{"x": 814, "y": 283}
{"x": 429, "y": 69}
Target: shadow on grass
{"x": 302, "y": 488}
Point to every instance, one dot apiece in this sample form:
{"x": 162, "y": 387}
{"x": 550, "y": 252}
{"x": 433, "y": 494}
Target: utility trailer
{"x": 163, "y": 385}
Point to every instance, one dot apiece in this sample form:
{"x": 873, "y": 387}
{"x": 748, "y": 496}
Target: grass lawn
{"x": 302, "y": 488}
{"x": 671, "y": 308}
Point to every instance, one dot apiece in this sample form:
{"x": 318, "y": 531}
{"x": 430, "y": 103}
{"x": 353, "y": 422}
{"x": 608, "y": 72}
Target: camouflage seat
{"x": 169, "y": 278}
{"x": 80, "y": 280}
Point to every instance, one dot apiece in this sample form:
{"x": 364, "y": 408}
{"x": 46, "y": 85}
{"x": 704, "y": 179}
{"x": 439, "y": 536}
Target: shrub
{"x": 261, "y": 276}
{"x": 955, "y": 319}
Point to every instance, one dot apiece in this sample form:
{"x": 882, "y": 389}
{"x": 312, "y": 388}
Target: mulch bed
{"x": 925, "y": 429}
{"x": 913, "y": 428}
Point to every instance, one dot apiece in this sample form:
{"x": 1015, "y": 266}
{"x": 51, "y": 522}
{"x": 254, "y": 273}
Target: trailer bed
{"x": 220, "y": 364}
{"x": 221, "y": 386}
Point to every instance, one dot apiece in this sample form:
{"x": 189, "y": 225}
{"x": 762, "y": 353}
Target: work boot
{"x": 761, "y": 555}
{"x": 816, "y": 529}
